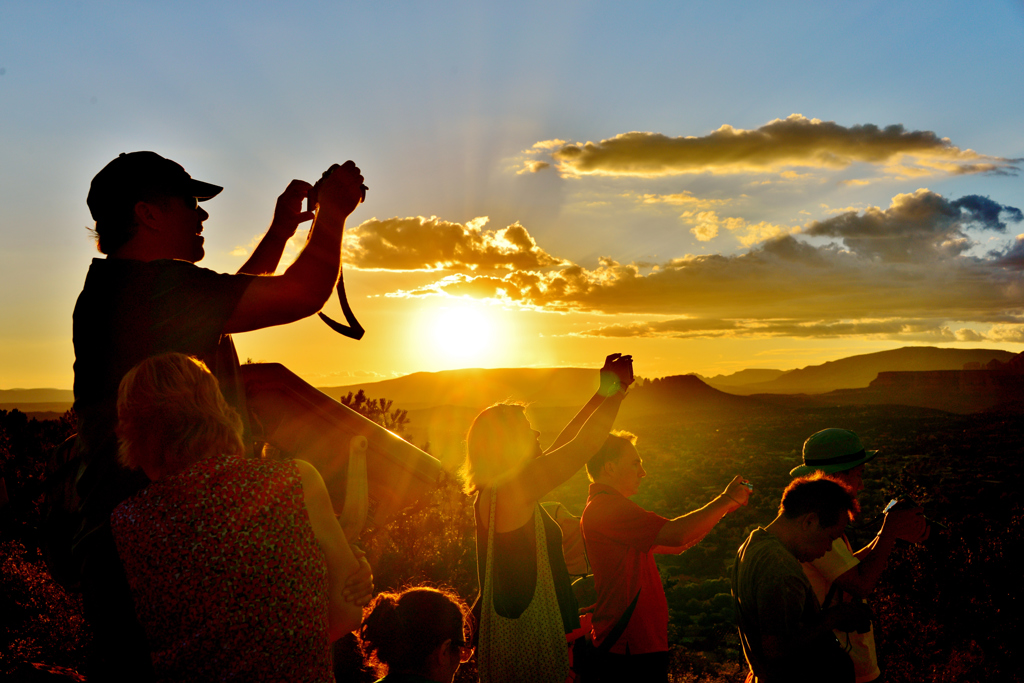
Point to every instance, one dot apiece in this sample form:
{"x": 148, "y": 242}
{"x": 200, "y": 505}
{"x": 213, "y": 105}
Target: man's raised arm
{"x": 288, "y": 214}
{"x": 908, "y": 525}
{"x": 683, "y": 532}
{"x": 306, "y": 285}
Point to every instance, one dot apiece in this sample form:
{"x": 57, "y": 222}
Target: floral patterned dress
{"x": 227, "y": 577}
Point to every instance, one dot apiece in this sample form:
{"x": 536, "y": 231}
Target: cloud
{"x": 545, "y": 144}
{"x": 679, "y": 199}
{"x": 420, "y": 243}
{"x": 707, "y": 224}
{"x": 1013, "y": 257}
{"x": 682, "y": 327}
{"x": 533, "y": 166}
{"x": 706, "y": 228}
{"x": 922, "y": 226}
{"x": 1007, "y": 333}
{"x": 984, "y": 211}
{"x": 783, "y": 278}
{"x": 900, "y": 273}
{"x": 777, "y": 147}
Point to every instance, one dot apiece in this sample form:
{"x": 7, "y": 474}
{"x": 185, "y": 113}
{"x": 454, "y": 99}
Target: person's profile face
{"x": 456, "y": 656}
{"x": 182, "y": 226}
{"x": 629, "y": 471}
{"x": 817, "y": 540}
{"x": 854, "y": 478}
{"x": 521, "y": 440}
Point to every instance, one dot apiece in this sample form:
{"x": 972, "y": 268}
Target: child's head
{"x": 419, "y": 630}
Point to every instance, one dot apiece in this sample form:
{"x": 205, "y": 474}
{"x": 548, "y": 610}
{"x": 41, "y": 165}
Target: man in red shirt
{"x": 621, "y": 539}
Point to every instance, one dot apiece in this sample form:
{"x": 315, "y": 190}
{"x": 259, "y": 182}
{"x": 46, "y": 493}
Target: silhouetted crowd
{"x": 198, "y": 559}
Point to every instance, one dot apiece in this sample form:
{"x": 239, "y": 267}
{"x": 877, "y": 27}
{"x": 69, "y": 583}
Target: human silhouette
{"x": 148, "y": 297}
{"x": 526, "y": 603}
{"x": 238, "y": 567}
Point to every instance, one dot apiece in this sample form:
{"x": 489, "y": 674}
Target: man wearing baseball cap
{"x": 148, "y": 297}
{"x": 842, "y": 575}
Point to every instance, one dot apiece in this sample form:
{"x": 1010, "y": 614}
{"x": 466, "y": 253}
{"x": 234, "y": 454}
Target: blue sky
{"x": 442, "y": 104}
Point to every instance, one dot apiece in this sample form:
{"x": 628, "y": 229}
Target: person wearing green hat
{"x": 842, "y": 575}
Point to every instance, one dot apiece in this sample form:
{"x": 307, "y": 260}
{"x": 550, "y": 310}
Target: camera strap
{"x": 353, "y": 330}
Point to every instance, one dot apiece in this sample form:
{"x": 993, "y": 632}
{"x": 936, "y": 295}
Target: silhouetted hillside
{"x": 571, "y": 387}
{"x": 997, "y": 386}
{"x": 56, "y": 401}
{"x": 858, "y": 371}
{"x": 748, "y": 376}
{"x": 686, "y": 397}
{"x": 479, "y": 388}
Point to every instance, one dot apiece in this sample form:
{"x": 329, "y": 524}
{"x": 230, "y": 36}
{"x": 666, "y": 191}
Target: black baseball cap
{"x": 132, "y": 176}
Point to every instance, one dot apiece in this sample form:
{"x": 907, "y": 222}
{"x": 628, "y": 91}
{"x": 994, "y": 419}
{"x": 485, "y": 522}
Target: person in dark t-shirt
{"x": 785, "y": 635}
{"x": 147, "y": 297}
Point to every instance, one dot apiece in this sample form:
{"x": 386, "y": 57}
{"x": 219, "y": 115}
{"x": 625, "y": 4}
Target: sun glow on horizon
{"x": 463, "y": 333}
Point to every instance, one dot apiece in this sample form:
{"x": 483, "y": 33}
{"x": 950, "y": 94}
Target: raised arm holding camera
{"x": 526, "y": 603}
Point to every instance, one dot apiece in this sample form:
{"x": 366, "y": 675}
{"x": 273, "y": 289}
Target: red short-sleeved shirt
{"x": 620, "y": 537}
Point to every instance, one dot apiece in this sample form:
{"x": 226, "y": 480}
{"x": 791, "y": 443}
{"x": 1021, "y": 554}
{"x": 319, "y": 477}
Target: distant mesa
{"x": 748, "y": 376}
{"x": 857, "y": 372}
{"x": 478, "y": 388}
{"x": 689, "y": 398}
{"x": 976, "y": 387}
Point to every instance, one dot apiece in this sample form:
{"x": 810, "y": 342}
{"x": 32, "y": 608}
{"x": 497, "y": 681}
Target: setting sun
{"x": 464, "y": 333}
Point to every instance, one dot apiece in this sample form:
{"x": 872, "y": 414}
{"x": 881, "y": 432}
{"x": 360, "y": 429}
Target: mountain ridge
{"x": 572, "y": 387}
{"x": 857, "y": 372}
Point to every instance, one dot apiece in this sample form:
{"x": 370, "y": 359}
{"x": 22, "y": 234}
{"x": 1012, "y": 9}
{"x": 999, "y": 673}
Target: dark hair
{"x": 111, "y": 235}
{"x": 826, "y": 496}
{"x": 402, "y": 629}
{"x": 611, "y": 449}
{"x": 116, "y": 230}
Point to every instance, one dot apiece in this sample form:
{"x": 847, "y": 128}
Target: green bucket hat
{"x": 832, "y": 450}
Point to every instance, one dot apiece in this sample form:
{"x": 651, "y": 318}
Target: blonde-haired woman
{"x": 238, "y": 567}
{"x": 526, "y": 605}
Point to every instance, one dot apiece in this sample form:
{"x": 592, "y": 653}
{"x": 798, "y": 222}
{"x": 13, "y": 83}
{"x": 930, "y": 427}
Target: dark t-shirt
{"x": 776, "y": 599}
{"x": 129, "y": 311}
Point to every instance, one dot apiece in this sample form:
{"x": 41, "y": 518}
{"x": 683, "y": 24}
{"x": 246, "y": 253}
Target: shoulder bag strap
{"x": 620, "y": 627}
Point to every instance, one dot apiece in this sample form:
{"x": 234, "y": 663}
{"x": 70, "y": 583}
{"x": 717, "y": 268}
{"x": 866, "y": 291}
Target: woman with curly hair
{"x": 417, "y": 635}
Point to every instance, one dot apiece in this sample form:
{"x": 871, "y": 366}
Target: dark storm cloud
{"x": 922, "y": 226}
